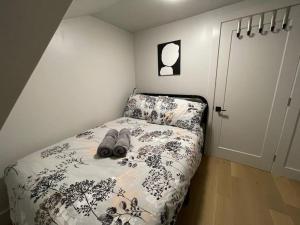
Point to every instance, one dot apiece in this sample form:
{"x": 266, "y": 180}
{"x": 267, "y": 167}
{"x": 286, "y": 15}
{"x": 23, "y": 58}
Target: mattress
{"x": 68, "y": 184}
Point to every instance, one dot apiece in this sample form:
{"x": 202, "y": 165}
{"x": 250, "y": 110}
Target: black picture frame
{"x": 176, "y": 67}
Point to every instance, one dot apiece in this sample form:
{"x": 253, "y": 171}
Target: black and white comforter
{"x": 66, "y": 184}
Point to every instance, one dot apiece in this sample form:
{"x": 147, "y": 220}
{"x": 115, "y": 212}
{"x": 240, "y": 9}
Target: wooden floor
{"x": 227, "y": 193}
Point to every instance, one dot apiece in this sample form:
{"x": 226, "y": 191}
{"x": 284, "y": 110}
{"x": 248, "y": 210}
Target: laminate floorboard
{"x": 229, "y": 193}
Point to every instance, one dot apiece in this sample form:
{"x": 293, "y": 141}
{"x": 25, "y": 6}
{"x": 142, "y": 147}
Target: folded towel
{"x": 123, "y": 143}
{"x": 106, "y": 147}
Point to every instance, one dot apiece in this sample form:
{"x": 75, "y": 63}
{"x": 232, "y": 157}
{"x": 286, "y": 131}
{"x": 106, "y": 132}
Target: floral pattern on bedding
{"x": 140, "y": 106}
{"x": 67, "y": 184}
{"x": 166, "y": 110}
{"x": 177, "y": 112}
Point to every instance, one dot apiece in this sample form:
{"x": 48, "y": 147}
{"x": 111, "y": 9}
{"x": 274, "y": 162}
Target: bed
{"x": 68, "y": 184}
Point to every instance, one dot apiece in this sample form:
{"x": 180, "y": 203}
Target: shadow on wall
{"x": 4, "y": 214}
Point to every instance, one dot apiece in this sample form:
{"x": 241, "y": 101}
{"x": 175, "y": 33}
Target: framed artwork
{"x": 169, "y": 54}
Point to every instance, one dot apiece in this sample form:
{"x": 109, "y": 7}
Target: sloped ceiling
{"x": 87, "y": 7}
{"x": 26, "y": 29}
{"x": 135, "y": 15}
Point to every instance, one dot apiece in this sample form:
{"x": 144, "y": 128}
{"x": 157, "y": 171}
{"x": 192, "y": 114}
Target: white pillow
{"x": 140, "y": 106}
{"x": 177, "y": 112}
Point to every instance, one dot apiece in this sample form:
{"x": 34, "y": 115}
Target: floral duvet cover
{"x": 66, "y": 184}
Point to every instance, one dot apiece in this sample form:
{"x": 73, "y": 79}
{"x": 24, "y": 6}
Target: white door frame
{"x": 290, "y": 128}
{"x": 245, "y": 8}
{"x": 280, "y": 91}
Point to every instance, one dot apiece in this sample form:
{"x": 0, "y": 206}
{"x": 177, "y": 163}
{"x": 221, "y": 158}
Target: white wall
{"x": 82, "y": 80}
{"x": 199, "y": 37}
{"x": 195, "y": 34}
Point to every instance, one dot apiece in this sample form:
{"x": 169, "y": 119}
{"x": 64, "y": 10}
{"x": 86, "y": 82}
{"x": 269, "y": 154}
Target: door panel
{"x": 251, "y": 82}
{"x": 293, "y": 157}
{"x": 251, "y": 88}
{"x": 288, "y": 153}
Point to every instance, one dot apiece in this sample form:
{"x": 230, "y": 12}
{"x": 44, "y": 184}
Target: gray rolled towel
{"x": 106, "y": 147}
{"x": 122, "y": 146}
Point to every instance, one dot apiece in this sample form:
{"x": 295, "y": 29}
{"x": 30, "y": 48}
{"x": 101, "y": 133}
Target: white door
{"x": 287, "y": 162}
{"x": 251, "y": 89}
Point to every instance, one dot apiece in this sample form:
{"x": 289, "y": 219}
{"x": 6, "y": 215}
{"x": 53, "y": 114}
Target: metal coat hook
{"x": 272, "y": 26}
{"x": 285, "y": 18}
{"x": 238, "y": 30}
{"x": 260, "y": 24}
{"x": 249, "y": 28}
